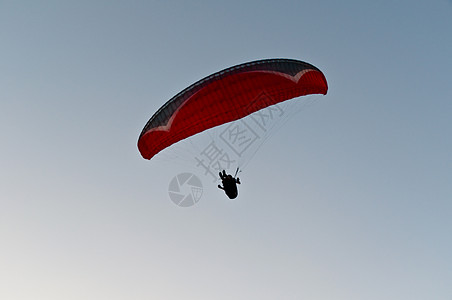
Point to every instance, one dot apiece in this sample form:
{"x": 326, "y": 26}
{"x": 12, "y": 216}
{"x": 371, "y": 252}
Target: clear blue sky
{"x": 351, "y": 200}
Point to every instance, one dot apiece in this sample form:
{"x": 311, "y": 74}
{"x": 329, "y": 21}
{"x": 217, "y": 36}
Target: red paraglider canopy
{"x": 226, "y": 96}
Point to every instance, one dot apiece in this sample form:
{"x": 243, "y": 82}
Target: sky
{"x": 350, "y": 199}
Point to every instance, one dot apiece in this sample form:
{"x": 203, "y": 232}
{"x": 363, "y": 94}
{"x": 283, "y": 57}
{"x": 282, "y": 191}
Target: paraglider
{"x": 229, "y": 184}
{"x": 226, "y": 96}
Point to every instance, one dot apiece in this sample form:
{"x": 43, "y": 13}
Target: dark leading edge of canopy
{"x": 287, "y": 66}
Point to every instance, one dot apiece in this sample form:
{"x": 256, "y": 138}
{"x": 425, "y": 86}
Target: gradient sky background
{"x": 351, "y": 200}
